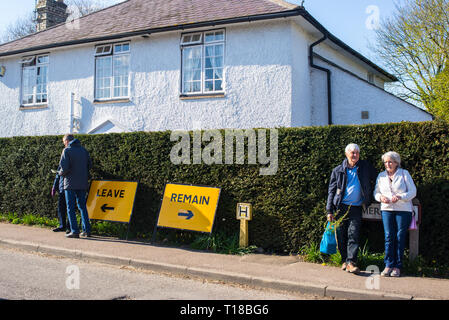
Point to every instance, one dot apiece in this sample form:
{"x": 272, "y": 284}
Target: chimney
{"x": 50, "y": 13}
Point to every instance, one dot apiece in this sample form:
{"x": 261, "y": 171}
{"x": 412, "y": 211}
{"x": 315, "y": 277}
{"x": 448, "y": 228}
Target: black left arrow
{"x": 105, "y": 207}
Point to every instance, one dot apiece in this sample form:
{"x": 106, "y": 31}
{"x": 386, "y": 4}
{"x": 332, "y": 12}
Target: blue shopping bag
{"x": 328, "y": 243}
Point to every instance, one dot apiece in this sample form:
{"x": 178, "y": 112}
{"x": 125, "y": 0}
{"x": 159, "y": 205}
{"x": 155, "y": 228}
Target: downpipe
{"x": 328, "y": 73}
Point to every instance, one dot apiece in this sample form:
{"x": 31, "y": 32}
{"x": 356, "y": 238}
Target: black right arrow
{"x": 105, "y": 207}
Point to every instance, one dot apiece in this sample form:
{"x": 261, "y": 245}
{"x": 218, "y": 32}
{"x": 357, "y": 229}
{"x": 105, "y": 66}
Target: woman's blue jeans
{"x": 396, "y": 224}
{"x": 73, "y": 198}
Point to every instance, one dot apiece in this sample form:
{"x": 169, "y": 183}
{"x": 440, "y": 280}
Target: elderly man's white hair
{"x": 351, "y": 147}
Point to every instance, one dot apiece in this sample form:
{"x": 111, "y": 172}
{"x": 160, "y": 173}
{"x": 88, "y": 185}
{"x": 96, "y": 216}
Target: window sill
{"x": 126, "y": 100}
{"x": 34, "y": 107}
{"x": 201, "y": 96}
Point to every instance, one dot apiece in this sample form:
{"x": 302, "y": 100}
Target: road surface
{"x": 35, "y": 276}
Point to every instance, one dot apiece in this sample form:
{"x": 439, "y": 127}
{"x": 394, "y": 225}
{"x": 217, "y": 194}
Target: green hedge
{"x": 289, "y": 207}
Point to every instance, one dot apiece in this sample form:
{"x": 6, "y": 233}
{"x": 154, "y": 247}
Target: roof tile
{"x": 140, "y": 15}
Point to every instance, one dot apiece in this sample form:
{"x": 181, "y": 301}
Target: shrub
{"x": 289, "y": 207}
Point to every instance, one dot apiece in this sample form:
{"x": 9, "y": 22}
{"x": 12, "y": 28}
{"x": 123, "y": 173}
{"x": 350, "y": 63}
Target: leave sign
{"x": 188, "y": 207}
{"x": 111, "y": 200}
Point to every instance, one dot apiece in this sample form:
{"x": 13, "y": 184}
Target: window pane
{"x": 209, "y": 86}
{"x": 197, "y": 86}
{"x": 210, "y": 37}
{"x": 218, "y": 74}
{"x": 219, "y": 35}
{"x": 213, "y": 67}
{"x": 196, "y": 38}
{"x": 42, "y": 59}
{"x": 28, "y": 84}
{"x": 209, "y": 74}
{"x": 191, "y": 38}
{"x": 186, "y": 39}
{"x": 210, "y": 51}
{"x": 191, "y": 69}
{"x": 103, "y": 75}
{"x": 41, "y": 80}
{"x": 121, "y": 72}
{"x": 214, "y": 36}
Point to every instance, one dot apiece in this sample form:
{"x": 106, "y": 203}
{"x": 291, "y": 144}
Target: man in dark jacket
{"x": 350, "y": 189}
{"x": 58, "y": 186}
{"x": 74, "y": 165}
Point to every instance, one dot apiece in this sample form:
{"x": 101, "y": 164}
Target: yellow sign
{"x": 188, "y": 207}
{"x": 111, "y": 200}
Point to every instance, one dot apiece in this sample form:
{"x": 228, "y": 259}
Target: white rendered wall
{"x": 351, "y": 96}
{"x": 268, "y": 83}
{"x": 301, "y": 98}
{"x": 258, "y": 86}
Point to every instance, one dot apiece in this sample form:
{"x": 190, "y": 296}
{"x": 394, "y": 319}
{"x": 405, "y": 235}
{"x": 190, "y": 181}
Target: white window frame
{"x": 199, "y": 39}
{"x": 34, "y": 68}
{"x": 111, "y": 51}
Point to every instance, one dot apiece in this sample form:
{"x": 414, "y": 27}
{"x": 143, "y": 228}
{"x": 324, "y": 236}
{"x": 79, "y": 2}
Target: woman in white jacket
{"x": 395, "y": 190}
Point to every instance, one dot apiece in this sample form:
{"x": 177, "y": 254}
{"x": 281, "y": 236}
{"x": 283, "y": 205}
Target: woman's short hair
{"x": 393, "y": 156}
{"x": 352, "y": 146}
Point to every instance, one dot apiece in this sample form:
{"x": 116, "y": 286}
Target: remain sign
{"x": 188, "y": 207}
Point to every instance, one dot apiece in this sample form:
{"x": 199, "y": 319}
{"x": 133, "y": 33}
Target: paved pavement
{"x": 259, "y": 270}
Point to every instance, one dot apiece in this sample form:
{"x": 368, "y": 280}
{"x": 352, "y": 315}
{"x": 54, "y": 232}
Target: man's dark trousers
{"x": 62, "y": 212}
{"x": 348, "y": 233}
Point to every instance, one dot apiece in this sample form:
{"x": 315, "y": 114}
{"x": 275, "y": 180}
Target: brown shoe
{"x": 344, "y": 266}
{"x": 352, "y": 268}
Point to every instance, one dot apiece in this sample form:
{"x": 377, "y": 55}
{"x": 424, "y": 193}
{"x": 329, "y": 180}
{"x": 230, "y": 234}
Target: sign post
{"x": 111, "y": 200}
{"x": 372, "y": 213}
{"x": 244, "y": 214}
{"x": 188, "y": 207}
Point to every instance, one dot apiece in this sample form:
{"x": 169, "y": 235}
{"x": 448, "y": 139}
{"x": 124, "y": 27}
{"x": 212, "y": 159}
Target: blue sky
{"x": 346, "y": 19}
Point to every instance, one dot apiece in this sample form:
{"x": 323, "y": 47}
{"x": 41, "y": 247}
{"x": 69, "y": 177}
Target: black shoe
{"x": 72, "y": 235}
{"x": 58, "y": 229}
{"x": 85, "y": 234}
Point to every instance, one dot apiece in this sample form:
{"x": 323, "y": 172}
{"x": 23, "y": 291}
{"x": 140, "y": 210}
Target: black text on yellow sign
{"x": 189, "y": 207}
{"x": 111, "y": 200}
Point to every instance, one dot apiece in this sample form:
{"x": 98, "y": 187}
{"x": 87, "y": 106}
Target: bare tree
{"x": 26, "y": 24}
{"x": 22, "y": 27}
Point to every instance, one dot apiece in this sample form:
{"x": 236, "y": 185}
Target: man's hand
{"x": 53, "y": 192}
{"x": 384, "y": 199}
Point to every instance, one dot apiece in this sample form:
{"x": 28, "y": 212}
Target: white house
{"x": 150, "y": 65}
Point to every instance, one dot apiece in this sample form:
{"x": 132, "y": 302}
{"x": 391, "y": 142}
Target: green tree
{"x": 439, "y": 101}
{"x": 414, "y": 44}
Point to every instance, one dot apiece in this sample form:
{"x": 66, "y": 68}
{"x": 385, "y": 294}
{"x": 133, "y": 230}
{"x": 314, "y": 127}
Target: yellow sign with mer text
{"x": 111, "y": 200}
{"x": 188, "y": 207}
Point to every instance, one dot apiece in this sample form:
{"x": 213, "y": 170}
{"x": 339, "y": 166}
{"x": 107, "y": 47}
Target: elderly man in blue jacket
{"x": 350, "y": 189}
{"x": 74, "y": 165}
